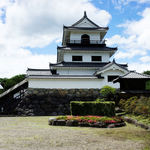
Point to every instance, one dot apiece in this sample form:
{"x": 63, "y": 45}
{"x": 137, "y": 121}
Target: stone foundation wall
{"x": 53, "y": 101}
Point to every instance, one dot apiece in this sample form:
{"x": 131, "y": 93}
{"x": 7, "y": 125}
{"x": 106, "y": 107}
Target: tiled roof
{"x": 135, "y": 75}
{"x": 79, "y": 64}
{"x": 38, "y": 72}
{"x": 96, "y": 48}
{"x": 85, "y": 17}
{"x": 132, "y": 75}
{"x": 85, "y": 28}
{"x": 123, "y": 66}
{"x": 31, "y": 69}
{"x": 64, "y": 77}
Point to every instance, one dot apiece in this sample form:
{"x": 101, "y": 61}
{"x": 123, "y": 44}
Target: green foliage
{"x": 137, "y": 106}
{"x": 92, "y": 108}
{"x": 100, "y": 100}
{"x": 147, "y": 72}
{"x": 8, "y": 83}
{"x": 93, "y": 119}
{"x": 108, "y": 93}
{"x": 140, "y": 118}
{"x": 147, "y": 85}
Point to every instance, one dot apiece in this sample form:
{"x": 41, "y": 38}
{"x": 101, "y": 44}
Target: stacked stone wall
{"x": 53, "y": 101}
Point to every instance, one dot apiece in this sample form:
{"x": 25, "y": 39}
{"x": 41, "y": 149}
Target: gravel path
{"x": 34, "y": 133}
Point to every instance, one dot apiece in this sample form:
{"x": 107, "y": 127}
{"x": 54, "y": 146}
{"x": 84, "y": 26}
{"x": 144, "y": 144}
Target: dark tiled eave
{"x": 132, "y": 76}
{"x": 78, "y": 64}
{"x": 85, "y": 28}
{"x": 30, "y": 69}
{"x": 140, "y": 76}
{"x": 65, "y": 77}
{"x": 84, "y": 48}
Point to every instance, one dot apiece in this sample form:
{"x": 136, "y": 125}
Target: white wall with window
{"x": 86, "y": 56}
{"x": 77, "y": 35}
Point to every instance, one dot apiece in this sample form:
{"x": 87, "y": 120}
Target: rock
{"x": 51, "y": 120}
{"x": 52, "y": 101}
{"x": 30, "y": 114}
{"x": 59, "y": 122}
{"x": 71, "y": 123}
{"x": 143, "y": 126}
{"x": 83, "y": 124}
{"x": 111, "y": 126}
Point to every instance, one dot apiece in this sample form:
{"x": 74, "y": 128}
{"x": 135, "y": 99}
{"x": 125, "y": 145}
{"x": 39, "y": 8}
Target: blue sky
{"x": 31, "y": 30}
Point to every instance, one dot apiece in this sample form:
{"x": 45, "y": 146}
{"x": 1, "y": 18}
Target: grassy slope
{"x": 140, "y": 118}
{"x": 34, "y": 133}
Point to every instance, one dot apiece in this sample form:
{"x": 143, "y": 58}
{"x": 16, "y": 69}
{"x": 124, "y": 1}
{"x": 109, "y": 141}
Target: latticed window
{"x": 85, "y": 39}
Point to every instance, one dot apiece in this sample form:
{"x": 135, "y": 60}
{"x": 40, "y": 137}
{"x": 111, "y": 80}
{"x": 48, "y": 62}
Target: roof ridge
{"x": 36, "y": 69}
{"x": 109, "y": 64}
{"x": 146, "y": 75}
{"x": 85, "y": 17}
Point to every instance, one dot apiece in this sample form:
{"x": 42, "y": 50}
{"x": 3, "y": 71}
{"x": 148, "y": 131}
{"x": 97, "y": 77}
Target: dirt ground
{"x": 34, "y": 133}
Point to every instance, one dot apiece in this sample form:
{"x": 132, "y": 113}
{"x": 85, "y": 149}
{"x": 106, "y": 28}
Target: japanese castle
{"x": 83, "y": 60}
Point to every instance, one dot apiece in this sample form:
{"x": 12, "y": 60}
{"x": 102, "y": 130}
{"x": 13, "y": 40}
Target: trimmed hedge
{"x": 80, "y": 108}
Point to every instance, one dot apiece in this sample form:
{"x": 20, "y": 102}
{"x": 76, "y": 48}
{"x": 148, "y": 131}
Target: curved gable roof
{"x": 103, "y": 69}
{"x": 75, "y": 25}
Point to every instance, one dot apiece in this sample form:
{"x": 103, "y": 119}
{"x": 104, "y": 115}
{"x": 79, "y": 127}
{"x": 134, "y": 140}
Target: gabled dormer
{"x": 83, "y": 32}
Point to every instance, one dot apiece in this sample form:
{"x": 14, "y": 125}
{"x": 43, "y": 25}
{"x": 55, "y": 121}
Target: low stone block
{"x": 59, "y": 122}
{"x": 71, "y": 123}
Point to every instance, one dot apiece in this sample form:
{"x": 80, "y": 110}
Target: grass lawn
{"x": 140, "y": 118}
{"x": 34, "y": 133}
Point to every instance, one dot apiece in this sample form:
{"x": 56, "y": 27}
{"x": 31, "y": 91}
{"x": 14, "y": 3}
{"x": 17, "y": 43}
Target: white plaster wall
{"x": 77, "y": 83}
{"x": 67, "y": 83}
{"x": 85, "y": 23}
{"x": 112, "y": 72}
{"x": 86, "y": 57}
{"x": 77, "y": 35}
{"x": 76, "y": 71}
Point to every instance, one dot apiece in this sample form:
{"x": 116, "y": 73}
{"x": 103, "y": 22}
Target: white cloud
{"x": 135, "y": 41}
{"x": 37, "y": 23}
{"x": 139, "y": 67}
{"x": 120, "y": 4}
{"x": 12, "y": 63}
{"x": 138, "y": 1}
{"x": 145, "y": 59}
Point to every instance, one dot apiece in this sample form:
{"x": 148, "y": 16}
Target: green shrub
{"x": 80, "y": 108}
{"x": 100, "y": 100}
{"x": 136, "y": 106}
{"x": 109, "y": 94}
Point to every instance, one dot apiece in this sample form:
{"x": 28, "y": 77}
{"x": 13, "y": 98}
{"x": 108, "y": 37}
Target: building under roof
{"x": 134, "y": 82}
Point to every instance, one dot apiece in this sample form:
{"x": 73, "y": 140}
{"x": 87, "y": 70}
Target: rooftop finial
{"x": 85, "y": 14}
{"x": 114, "y": 60}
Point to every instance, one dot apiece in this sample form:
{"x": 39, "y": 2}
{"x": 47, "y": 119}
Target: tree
{"x": 8, "y": 83}
{"x": 147, "y": 72}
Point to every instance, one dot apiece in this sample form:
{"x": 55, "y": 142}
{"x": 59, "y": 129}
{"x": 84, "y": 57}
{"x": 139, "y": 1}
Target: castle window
{"x": 85, "y": 39}
{"x": 96, "y": 58}
{"x": 76, "y": 58}
{"x": 111, "y": 78}
{"x": 54, "y": 71}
